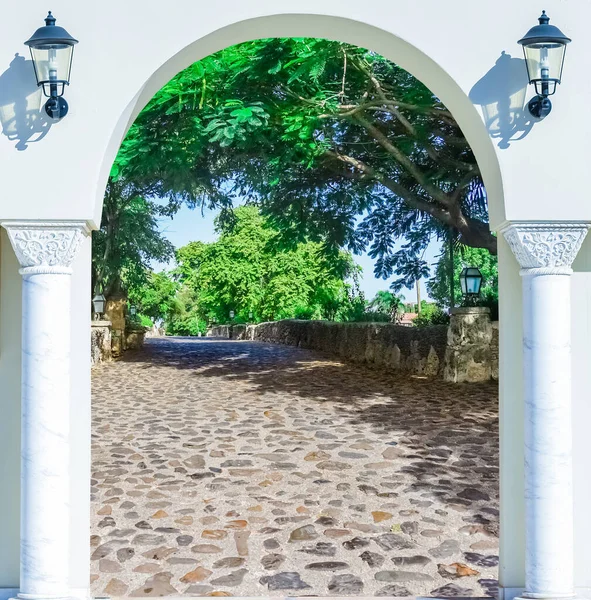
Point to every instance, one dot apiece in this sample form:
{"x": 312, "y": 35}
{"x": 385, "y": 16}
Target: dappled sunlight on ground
{"x": 254, "y": 469}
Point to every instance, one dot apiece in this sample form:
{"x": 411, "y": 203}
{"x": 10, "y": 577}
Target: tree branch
{"x": 420, "y": 177}
{"x": 399, "y": 190}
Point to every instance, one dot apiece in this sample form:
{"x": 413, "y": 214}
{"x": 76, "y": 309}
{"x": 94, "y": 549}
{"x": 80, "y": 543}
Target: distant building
{"x": 408, "y": 318}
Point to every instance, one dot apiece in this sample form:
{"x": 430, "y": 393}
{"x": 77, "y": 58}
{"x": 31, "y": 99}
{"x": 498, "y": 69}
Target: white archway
{"x": 409, "y": 57}
{"x": 139, "y": 48}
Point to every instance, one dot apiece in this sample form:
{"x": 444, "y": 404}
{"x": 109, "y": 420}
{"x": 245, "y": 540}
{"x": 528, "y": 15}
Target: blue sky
{"x": 189, "y": 226}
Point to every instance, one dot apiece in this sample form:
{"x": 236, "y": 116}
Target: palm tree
{"x": 411, "y": 270}
{"x": 389, "y": 303}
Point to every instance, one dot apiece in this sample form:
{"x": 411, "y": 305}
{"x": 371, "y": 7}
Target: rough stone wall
{"x": 155, "y": 331}
{"x": 134, "y": 338}
{"x": 466, "y": 351}
{"x": 115, "y": 312}
{"x": 494, "y": 351}
{"x": 100, "y": 342}
{"x": 414, "y": 350}
{"x": 468, "y": 356}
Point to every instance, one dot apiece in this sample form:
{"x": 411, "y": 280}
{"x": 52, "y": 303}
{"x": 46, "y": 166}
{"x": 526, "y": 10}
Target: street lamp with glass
{"x": 98, "y": 303}
{"x": 52, "y": 48}
{"x": 470, "y": 283}
{"x": 544, "y": 47}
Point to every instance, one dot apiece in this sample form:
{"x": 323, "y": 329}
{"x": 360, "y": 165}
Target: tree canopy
{"x": 128, "y": 241}
{"x": 335, "y": 143}
{"x": 246, "y": 272}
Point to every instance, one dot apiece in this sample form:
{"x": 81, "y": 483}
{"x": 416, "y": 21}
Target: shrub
{"x": 431, "y": 314}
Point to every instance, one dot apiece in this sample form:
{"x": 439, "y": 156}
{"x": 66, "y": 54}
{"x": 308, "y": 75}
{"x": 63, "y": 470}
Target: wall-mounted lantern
{"x": 98, "y": 303}
{"x": 470, "y": 283}
{"x": 52, "y": 48}
{"x": 544, "y": 47}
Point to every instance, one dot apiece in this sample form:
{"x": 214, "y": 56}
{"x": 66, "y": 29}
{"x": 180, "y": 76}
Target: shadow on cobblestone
{"x": 256, "y": 469}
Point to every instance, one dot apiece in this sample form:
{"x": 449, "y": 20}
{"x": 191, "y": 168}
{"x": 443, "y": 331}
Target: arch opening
{"x": 450, "y": 93}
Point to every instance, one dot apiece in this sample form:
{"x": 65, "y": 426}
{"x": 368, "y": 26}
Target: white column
{"x": 45, "y": 252}
{"x": 545, "y": 252}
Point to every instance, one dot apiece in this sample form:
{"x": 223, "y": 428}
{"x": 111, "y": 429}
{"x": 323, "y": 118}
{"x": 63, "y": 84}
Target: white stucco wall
{"x": 511, "y": 433}
{"x": 581, "y": 344}
{"x": 80, "y": 421}
{"x": 127, "y": 50}
{"x": 10, "y": 406}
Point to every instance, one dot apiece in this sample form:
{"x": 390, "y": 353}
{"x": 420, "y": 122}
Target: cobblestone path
{"x": 246, "y": 469}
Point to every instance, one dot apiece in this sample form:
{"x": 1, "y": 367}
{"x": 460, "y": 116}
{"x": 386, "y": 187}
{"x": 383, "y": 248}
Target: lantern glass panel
{"x": 53, "y": 63}
{"x": 544, "y": 65}
{"x": 463, "y": 284}
{"x": 99, "y": 304}
{"x": 473, "y": 284}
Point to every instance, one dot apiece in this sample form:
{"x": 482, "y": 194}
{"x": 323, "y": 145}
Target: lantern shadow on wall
{"x": 501, "y": 96}
{"x": 21, "y": 104}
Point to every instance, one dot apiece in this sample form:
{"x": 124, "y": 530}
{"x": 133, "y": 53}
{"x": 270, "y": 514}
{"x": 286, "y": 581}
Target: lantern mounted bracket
{"x": 539, "y": 107}
{"x": 52, "y": 49}
{"x": 544, "y": 48}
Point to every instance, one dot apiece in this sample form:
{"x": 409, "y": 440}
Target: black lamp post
{"x": 470, "y": 283}
{"x": 52, "y": 48}
{"x": 544, "y": 47}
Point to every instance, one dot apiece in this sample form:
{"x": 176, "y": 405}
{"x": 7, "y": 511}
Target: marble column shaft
{"x": 545, "y": 253}
{"x": 45, "y": 252}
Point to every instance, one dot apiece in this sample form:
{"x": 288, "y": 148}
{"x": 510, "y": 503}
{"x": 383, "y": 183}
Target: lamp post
{"x": 52, "y": 48}
{"x": 98, "y": 303}
{"x": 470, "y": 283}
{"x": 544, "y": 47}
{"x": 133, "y": 310}
{"x": 232, "y": 313}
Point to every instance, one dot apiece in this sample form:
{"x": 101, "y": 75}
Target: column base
{"x": 41, "y": 597}
{"x": 549, "y": 596}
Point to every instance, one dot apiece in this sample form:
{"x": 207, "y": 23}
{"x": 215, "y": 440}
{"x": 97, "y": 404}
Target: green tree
{"x": 334, "y": 142}
{"x": 128, "y": 241}
{"x": 156, "y": 297}
{"x": 410, "y": 269}
{"x": 389, "y": 304}
{"x": 248, "y": 271}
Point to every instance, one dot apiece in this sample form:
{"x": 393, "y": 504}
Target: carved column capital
{"x": 46, "y": 246}
{"x": 546, "y": 248}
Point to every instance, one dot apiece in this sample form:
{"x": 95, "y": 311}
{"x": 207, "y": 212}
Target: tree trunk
{"x": 418, "y": 284}
{"x": 451, "y": 272}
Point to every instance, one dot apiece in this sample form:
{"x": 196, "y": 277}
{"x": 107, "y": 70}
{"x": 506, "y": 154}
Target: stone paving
{"x": 224, "y": 468}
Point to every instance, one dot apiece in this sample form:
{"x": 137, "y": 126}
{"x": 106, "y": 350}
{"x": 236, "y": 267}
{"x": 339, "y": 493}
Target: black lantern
{"x": 470, "y": 282}
{"x": 544, "y": 47}
{"x": 52, "y": 48}
{"x": 98, "y": 303}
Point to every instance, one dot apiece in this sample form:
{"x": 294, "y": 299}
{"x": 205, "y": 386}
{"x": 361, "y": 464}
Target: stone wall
{"x": 115, "y": 312}
{"x": 469, "y": 346}
{"x": 414, "y": 350}
{"x": 100, "y": 342}
{"x": 134, "y": 338}
{"x": 466, "y": 351}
